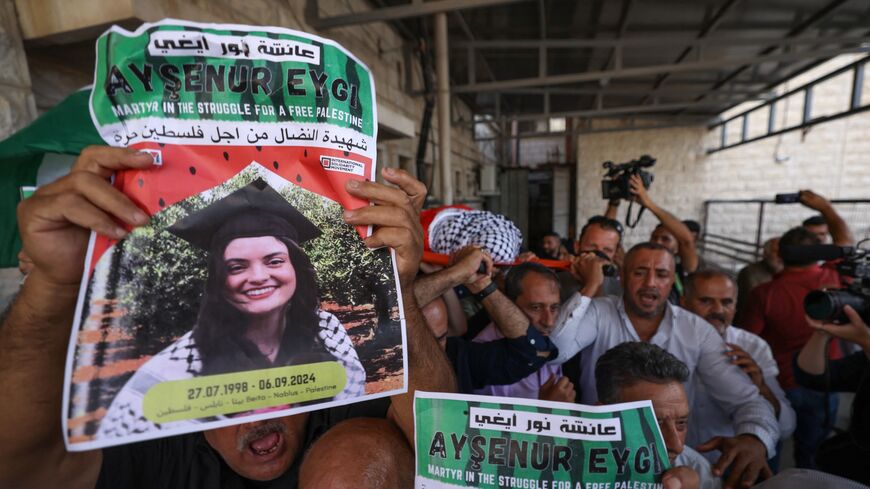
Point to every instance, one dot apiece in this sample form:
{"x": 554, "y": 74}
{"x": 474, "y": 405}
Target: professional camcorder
{"x": 827, "y": 305}
{"x": 615, "y": 183}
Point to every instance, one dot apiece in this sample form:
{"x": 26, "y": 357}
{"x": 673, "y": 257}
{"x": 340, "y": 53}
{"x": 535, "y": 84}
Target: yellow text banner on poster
{"x": 215, "y": 395}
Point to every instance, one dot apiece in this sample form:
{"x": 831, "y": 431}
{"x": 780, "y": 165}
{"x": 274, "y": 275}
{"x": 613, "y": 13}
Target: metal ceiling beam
{"x": 666, "y": 123}
{"x": 708, "y": 27}
{"x": 652, "y": 70}
{"x": 614, "y": 59}
{"x": 414, "y": 9}
{"x": 691, "y": 42}
{"x": 635, "y": 89}
{"x": 792, "y": 33}
{"x": 470, "y": 35}
{"x": 610, "y": 111}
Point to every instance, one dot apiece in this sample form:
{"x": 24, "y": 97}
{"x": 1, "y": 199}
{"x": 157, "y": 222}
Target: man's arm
{"x": 612, "y": 209}
{"x": 457, "y": 323}
{"x": 751, "y": 368}
{"x": 34, "y": 340}
{"x": 587, "y": 269}
{"x": 840, "y": 232}
{"x": 785, "y": 414}
{"x": 753, "y": 418}
{"x": 845, "y": 373}
{"x": 576, "y": 327}
{"x": 462, "y": 270}
{"x": 508, "y": 318}
{"x": 503, "y": 361}
{"x": 396, "y": 218}
{"x": 55, "y": 224}
{"x": 688, "y": 253}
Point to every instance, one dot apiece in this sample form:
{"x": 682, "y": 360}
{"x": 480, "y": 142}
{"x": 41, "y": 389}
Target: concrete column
{"x": 17, "y": 107}
{"x": 443, "y": 91}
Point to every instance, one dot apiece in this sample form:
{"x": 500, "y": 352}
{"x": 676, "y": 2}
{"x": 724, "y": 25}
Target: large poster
{"x": 245, "y": 296}
{"x": 496, "y": 442}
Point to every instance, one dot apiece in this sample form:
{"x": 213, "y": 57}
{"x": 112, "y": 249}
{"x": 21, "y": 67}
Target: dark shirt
{"x": 188, "y": 461}
{"x": 848, "y": 374}
{"x": 498, "y": 362}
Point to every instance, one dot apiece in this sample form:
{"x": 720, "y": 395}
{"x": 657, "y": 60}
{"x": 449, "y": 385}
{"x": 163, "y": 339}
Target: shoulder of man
{"x": 755, "y": 345}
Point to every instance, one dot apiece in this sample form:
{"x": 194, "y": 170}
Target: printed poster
{"x": 246, "y": 296}
{"x": 497, "y": 442}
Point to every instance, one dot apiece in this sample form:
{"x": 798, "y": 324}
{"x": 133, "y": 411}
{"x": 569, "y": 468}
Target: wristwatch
{"x": 483, "y": 294}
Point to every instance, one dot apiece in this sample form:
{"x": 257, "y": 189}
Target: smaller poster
{"x": 498, "y": 442}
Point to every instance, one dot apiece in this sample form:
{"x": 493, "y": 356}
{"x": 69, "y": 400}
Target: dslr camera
{"x": 615, "y": 183}
{"x": 827, "y": 305}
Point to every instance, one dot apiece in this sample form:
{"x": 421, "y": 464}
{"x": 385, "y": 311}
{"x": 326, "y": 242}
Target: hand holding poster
{"x": 496, "y": 442}
{"x": 245, "y": 296}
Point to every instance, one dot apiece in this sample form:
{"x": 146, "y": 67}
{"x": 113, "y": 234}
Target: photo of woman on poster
{"x": 260, "y": 307}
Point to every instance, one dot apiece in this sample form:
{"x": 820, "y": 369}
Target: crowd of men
{"x": 733, "y": 366}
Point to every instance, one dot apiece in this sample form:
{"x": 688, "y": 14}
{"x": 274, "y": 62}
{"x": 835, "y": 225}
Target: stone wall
{"x": 17, "y": 106}
{"x": 832, "y": 158}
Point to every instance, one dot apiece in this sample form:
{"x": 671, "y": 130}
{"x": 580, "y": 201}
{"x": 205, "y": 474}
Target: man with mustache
{"x": 637, "y": 371}
{"x": 712, "y": 295}
{"x": 644, "y": 314}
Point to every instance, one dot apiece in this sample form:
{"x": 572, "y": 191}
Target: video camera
{"x": 615, "y": 184}
{"x": 827, "y": 305}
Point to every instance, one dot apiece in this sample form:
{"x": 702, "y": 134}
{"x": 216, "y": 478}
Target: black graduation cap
{"x": 254, "y": 210}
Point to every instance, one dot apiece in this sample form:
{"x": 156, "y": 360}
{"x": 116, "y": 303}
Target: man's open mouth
{"x": 267, "y": 444}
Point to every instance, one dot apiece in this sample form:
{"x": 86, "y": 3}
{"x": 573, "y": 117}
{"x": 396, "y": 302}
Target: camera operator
{"x": 672, "y": 234}
{"x": 845, "y": 454}
{"x": 775, "y": 311}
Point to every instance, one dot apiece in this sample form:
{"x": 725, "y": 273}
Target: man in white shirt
{"x": 638, "y": 371}
{"x": 643, "y": 314}
{"x": 712, "y": 295}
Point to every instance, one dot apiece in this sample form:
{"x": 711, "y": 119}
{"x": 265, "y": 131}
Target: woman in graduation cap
{"x": 260, "y": 308}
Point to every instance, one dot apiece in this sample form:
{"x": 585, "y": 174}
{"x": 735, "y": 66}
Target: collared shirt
{"x": 525, "y": 388}
{"x": 695, "y": 461}
{"x": 708, "y": 419}
{"x": 597, "y": 325}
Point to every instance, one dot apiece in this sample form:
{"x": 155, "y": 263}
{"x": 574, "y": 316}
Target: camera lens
{"x": 827, "y": 305}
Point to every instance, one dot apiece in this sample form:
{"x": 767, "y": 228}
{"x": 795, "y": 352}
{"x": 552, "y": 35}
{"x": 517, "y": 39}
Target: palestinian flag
{"x": 39, "y": 154}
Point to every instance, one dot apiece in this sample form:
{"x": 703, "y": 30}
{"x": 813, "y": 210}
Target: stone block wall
{"x": 832, "y": 159}
{"x": 17, "y": 106}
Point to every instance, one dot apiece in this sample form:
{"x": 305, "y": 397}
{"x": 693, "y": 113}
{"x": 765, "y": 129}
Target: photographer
{"x": 775, "y": 311}
{"x": 845, "y": 454}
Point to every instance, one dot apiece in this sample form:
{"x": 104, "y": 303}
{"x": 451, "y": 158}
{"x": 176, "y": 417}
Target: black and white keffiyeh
{"x": 180, "y": 361}
{"x": 493, "y": 232}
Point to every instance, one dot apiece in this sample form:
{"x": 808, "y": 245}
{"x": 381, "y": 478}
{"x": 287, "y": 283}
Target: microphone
{"x": 811, "y": 253}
